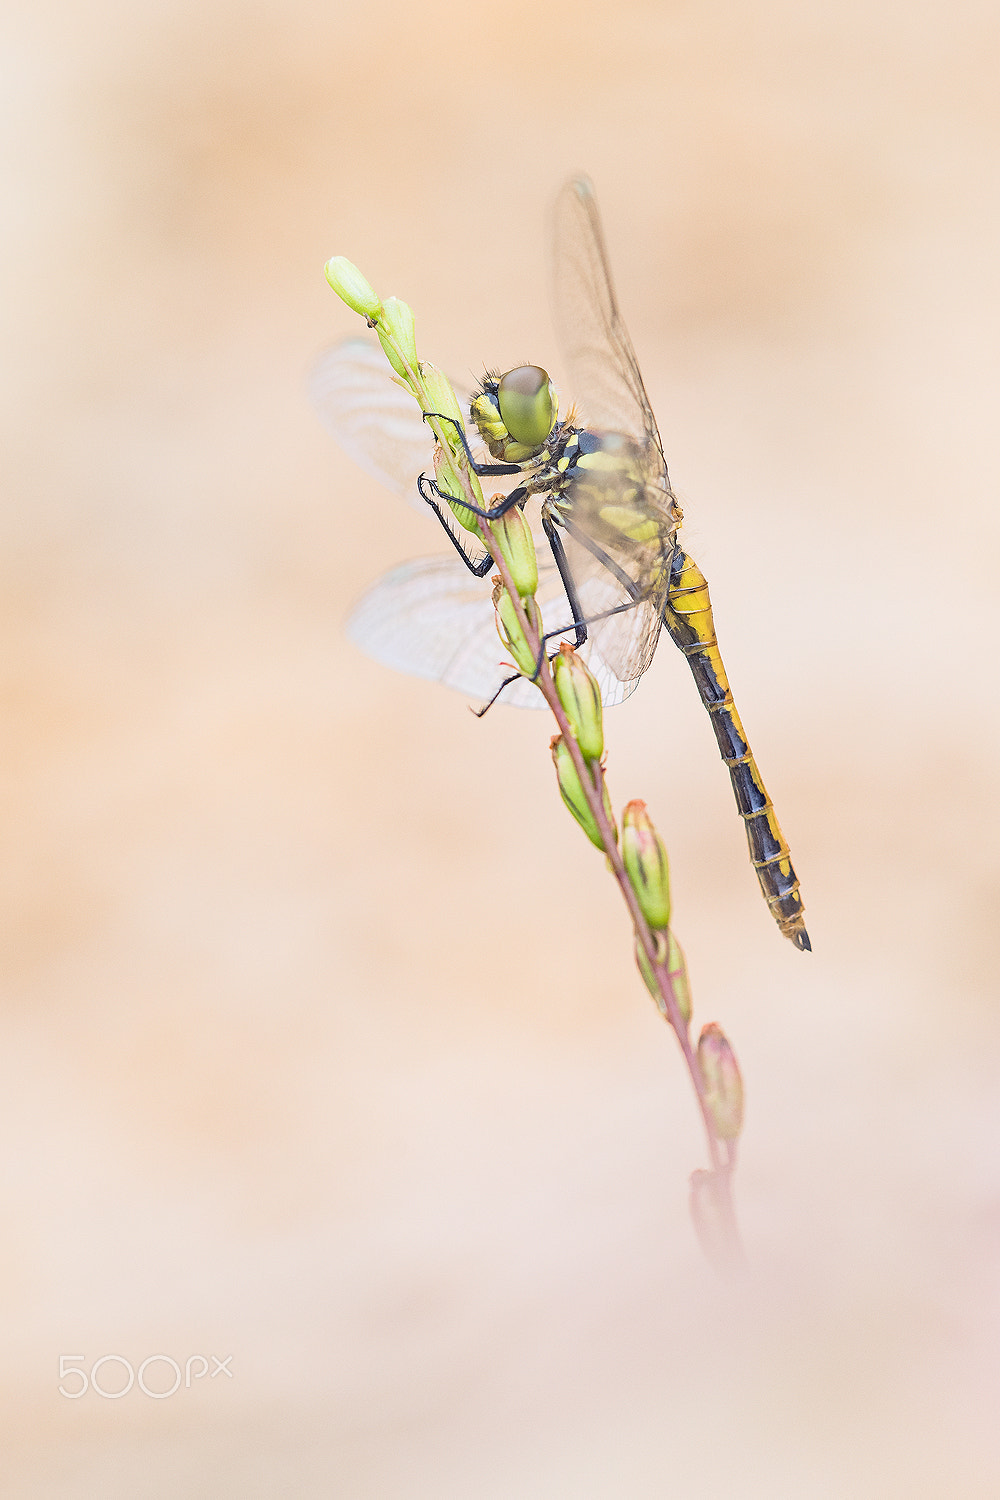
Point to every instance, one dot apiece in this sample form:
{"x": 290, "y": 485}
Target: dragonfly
{"x": 598, "y": 497}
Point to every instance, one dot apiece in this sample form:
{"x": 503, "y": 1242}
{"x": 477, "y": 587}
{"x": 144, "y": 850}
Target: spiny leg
{"x": 477, "y": 569}
{"x": 565, "y": 573}
{"x": 484, "y": 471}
{"x": 428, "y": 487}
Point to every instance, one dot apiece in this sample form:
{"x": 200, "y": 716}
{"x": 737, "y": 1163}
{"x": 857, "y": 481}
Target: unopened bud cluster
{"x": 580, "y": 695}
{"x": 393, "y": 321}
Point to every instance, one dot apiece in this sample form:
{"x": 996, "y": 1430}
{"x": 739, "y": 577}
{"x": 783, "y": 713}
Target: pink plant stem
{"x": 592, "y": 780}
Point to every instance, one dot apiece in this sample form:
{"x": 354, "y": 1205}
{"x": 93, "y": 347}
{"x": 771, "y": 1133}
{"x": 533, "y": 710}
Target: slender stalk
{"x": 715, "y": 1219}
{"x": 721, "y": 1153}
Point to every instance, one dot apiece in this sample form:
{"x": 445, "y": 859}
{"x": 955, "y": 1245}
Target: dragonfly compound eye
{"x": 527, "y": 405}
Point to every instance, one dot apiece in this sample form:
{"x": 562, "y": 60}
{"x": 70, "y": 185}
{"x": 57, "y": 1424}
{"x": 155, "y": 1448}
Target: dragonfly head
{"x": 515, "y": 413}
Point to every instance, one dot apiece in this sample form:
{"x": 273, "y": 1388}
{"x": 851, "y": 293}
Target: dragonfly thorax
{"x": 516, "y": 414}
{"x": 599, "y": 476}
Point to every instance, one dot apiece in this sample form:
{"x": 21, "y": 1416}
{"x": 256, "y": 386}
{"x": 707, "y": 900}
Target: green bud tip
{"x": 645, "y": 859}
{"x": 353, "y": 288}
{"x": 580, "y": 697}
{"x": 649, "y": 974}
{"x": 723, "y": 1085}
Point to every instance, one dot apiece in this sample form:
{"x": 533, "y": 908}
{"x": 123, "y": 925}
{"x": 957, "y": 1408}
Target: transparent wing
{"x": 606, "y": 374}
{"x": 624, "y": 640}
{"x": 431, "y": 618}
{"x": 374, "y": 420}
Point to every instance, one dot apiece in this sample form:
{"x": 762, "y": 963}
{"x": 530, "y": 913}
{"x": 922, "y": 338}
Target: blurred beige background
{"x": 321, "y": 1045}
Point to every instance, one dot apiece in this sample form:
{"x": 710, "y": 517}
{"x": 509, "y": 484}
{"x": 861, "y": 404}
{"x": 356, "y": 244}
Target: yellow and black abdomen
{"x": 688, "y": 619}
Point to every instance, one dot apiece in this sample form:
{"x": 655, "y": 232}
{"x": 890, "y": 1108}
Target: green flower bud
{"x": 450, "y": 484}
{"x": 668, "y": 953}
{"x": 441, "y": 398}
{"x": 649, "y": 974}
{"x": 395, "y": 329}
{"x": 510, "y": 631}
{"x": 573, "y": 794}
{"x": 580, "y": 696}
{"x": 723, "y": 1084}
{"x": 513, "y": 537}
{"x": 353, "y": 288}
{"x": 646, "y": 864}
{"x": 677, "y": 969}
{"x": 438, "y": 396}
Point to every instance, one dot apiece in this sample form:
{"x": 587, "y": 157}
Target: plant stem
{"x": 721, "y": 1154}
{"x": 720, "y": 1237}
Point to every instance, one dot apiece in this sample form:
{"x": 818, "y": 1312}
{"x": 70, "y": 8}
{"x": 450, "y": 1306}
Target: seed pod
{"x": 513, "y": 538}
{"x": 353, "y": 288}
{"x": 397, "y": 335}
{"x": 723, "y": 1084}
{"x": 677, "y": 969}
{"x": 580, "y": 696}
{"x": 649, "y": 977}
{"x": 440, "y": 398}
{"x": 645, "y": 858}
{"x": 573, "y": 794}
{"x": 510, "y": 631}
{"x": 450, "y": 486}
{"x": 669, "y": 953}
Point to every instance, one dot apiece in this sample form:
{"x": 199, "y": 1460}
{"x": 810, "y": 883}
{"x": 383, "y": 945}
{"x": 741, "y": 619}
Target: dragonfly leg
{"x": 581, "y": 622}
{"x": 588, "y": 620}
{"x": 477, "y": 569}
{"x": 565, "y": 573}
{"x": 514, "y": 676}
{"x": 428, "y": 487}
{"x": 485, "y": 471}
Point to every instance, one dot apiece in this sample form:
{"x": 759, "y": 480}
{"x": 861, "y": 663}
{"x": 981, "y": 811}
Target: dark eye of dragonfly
{"x": 524, "y": 397}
